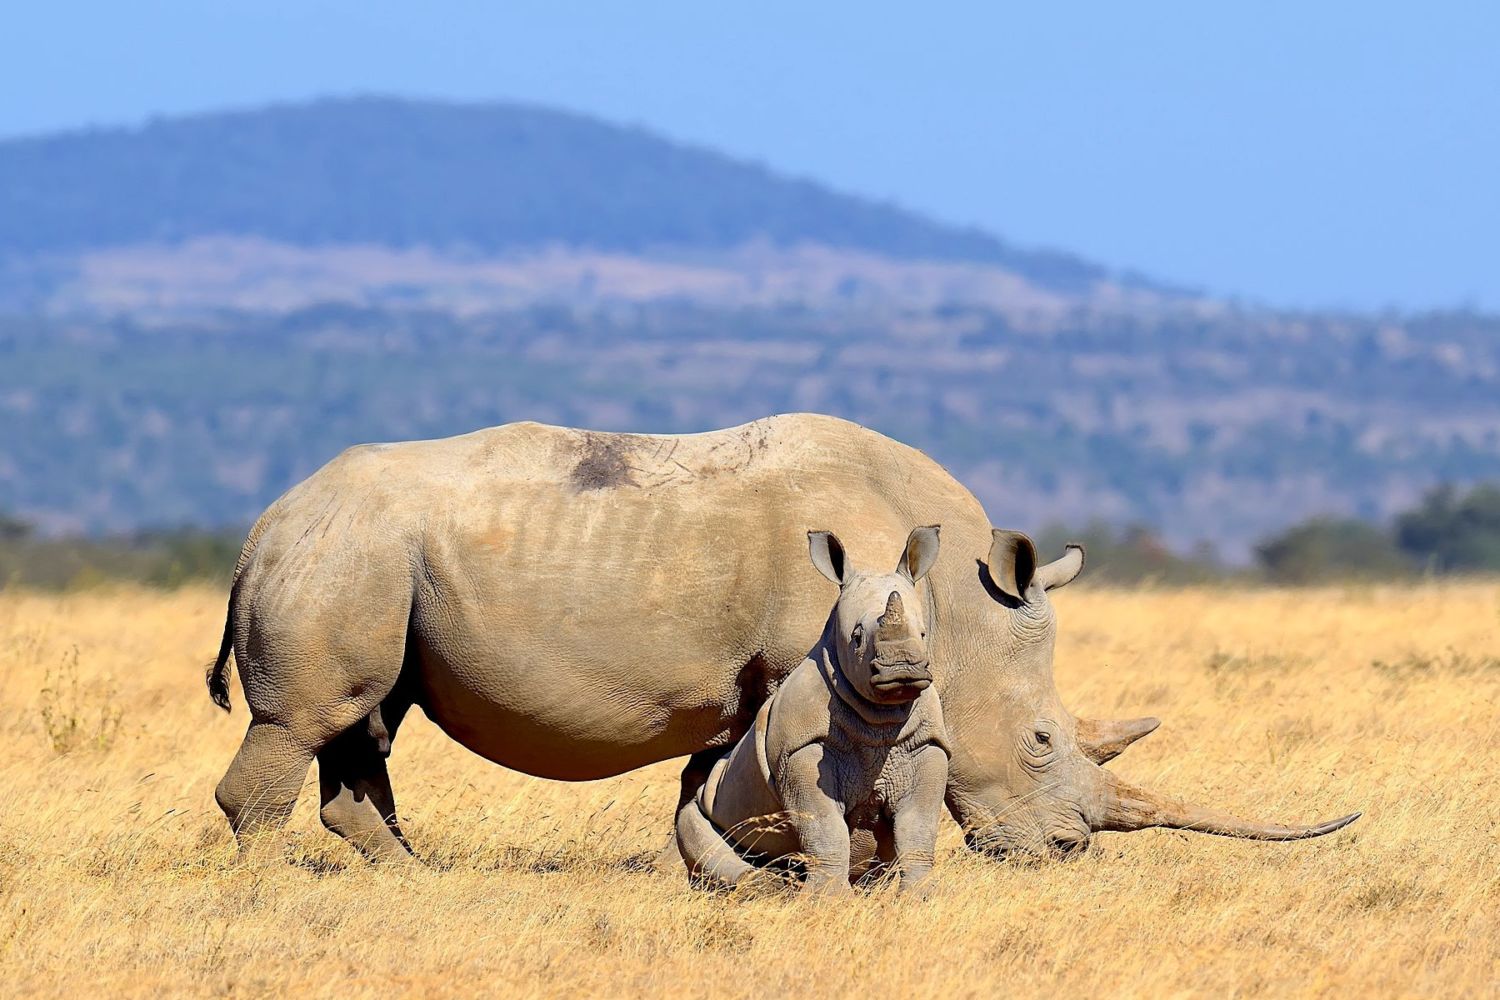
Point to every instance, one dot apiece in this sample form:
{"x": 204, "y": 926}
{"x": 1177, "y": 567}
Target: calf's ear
{"x": 1012, "y": 562}
{"x": 921, "y": 552}
{"x": 828, "y": 555}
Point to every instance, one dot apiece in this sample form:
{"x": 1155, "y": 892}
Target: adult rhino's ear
{"x": 828, "y": 555}
{"x": 1061, "y": 572}
{"x": 1012, "y": 562}
{"x": 921, "y": 552}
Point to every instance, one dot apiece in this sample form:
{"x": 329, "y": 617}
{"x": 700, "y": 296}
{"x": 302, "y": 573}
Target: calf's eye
{"x": 859, "y": 636}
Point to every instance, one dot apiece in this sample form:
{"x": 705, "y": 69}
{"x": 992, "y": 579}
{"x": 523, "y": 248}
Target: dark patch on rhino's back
{"x": 603, "y": 462}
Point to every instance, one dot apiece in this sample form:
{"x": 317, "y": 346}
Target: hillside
{"x": 197, "y": 313}
{"x": 1220, "y": 429}
{"x": 480, "y": 179}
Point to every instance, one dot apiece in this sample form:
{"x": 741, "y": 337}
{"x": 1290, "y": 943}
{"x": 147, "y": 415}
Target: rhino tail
{"x": 217, "y": 674}
{"x": 711, "y": 861}
{"x": 218, "y": 671}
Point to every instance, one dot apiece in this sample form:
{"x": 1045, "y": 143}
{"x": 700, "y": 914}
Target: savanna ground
{"x": 118, "y": 875}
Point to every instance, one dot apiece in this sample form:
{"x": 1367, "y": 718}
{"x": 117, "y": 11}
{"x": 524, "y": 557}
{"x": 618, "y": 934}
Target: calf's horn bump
{"x": 893, "y": 621}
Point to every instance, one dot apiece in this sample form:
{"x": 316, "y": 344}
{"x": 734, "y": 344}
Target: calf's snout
{"x": 901, "y": 669}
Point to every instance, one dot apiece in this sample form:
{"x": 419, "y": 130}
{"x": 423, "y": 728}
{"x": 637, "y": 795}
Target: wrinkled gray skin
{"x": 574, "y": 605}
{"x": 852, "y": 740}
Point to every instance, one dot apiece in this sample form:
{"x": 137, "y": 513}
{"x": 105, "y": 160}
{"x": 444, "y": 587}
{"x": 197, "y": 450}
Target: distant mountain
{"x": 1219, "y": 428}
{"x": 197, "y": 313}
{"x": 486, "y": 179}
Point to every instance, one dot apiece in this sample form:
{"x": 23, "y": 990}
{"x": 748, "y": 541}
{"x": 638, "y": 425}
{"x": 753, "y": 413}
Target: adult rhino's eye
{"x": 858, "y": 638}
{"x": 1045, "y": 739}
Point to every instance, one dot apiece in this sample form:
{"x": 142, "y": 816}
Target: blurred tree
{"x": 187, "y": 554}
{"x": 13, "y": 529}
{"x": 1450, "y": 533}
{"x": 1327, "y": 548}
{"x": 161, "y": 558}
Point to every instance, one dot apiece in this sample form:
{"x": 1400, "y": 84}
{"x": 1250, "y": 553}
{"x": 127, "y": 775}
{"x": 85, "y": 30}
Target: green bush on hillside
{"x": 1327, "y": 548}
{"x": 1450, "y": 533}
{"x": 159, "y": 559}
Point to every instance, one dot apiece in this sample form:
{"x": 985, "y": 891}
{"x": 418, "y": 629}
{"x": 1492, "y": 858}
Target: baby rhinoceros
{"x": 853, "y": 740}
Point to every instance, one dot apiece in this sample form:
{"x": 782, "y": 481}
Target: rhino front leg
{"x": 916, "y": 817}
{"x": 818, "y": 820}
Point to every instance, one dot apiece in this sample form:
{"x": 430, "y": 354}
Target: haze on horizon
{"x": 1340, "y": 156}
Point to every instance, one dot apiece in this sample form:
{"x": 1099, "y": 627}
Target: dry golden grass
{"x": 117, "y": 873}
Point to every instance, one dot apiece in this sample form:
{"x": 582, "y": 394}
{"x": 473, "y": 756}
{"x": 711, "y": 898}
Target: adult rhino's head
{"x": 879, "y": 625}
{"x": 1027, "y": 777}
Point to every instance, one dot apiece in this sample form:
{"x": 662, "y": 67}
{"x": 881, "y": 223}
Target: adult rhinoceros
{"x": 575, "y": 604}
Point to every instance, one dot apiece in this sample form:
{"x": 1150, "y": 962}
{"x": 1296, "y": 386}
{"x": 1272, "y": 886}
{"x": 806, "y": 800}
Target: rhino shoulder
{"x": 926, "y": 726}
{"x": 799, "y": 714}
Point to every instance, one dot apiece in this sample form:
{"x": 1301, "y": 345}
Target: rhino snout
{"x": 903, "y": 678}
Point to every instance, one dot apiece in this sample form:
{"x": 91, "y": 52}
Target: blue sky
{"x": 1343, "y": 154}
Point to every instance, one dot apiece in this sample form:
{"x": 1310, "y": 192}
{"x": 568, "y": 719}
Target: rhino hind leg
{"x": 311, "y": 693}
{"x": 358, "y": 803}
{"x": 260, "y": 788}
{"x": 357, "y": 799}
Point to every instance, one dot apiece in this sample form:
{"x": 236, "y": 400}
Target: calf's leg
{"x": 916, "y": 817}
{"x": 819, "y": 822}
{"x": 694, "y": 774}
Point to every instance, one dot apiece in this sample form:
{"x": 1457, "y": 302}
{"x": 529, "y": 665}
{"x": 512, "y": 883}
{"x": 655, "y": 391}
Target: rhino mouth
{"x": 903, "y": 686}
{"x": 995, "y": 845}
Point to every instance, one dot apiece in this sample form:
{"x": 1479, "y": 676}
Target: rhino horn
{"x": 1126, "y": 807}
{"x": 1103, "y": 740}
{"x": 892, "y": 624}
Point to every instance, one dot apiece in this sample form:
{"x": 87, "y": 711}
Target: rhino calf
{"x": 853, "y": 740}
